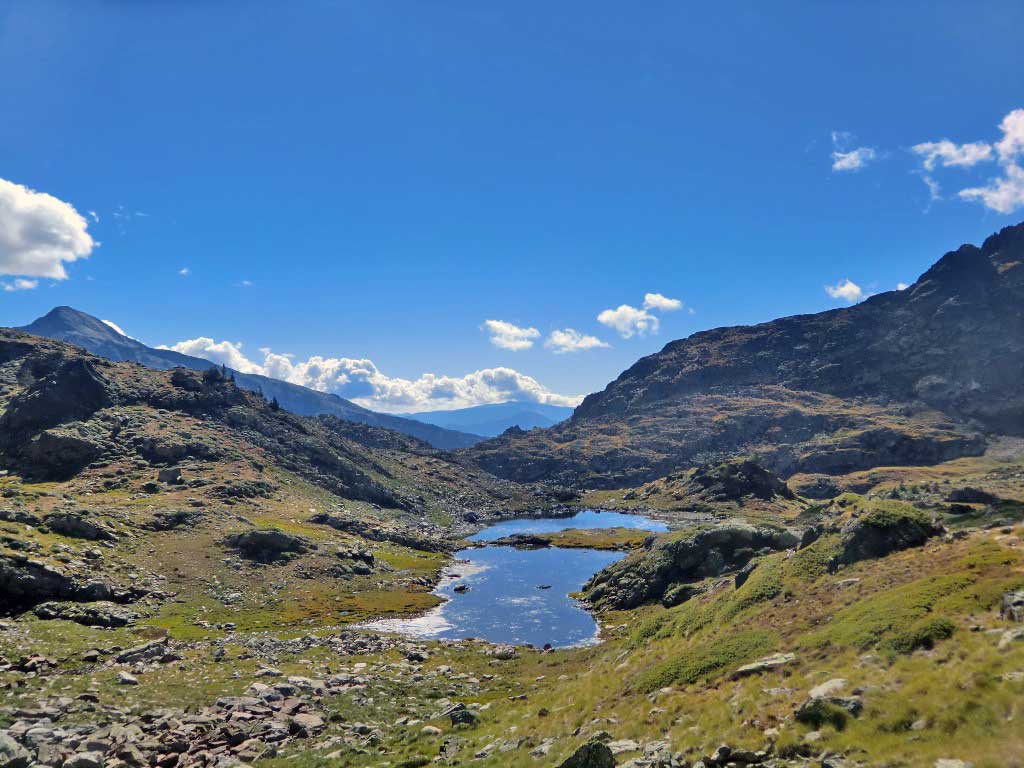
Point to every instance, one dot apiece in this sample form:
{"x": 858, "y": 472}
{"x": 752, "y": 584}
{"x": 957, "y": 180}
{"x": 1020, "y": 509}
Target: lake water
{"x": 519, "y": 596}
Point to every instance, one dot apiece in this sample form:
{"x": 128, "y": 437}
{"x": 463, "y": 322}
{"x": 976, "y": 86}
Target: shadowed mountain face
{"x": 493, "y": 419}
{"x": 910, "y": 376}
{"x": 70, "y": 325}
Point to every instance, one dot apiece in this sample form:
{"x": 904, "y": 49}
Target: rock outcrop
{"x": 668, "y": 565}
{"x": 268, "y": 545}
{"x": 25, "y": 582}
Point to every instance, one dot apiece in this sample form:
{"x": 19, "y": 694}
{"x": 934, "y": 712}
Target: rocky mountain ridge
{"x": 906, "y": 377}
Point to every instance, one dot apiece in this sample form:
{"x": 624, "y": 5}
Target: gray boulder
{"x": 1012, "y": 607}
{"x": 78, "y": 526}
{"x": 267, "y": 545}
{"x": 593, "y": 754}
{"x": 12, "y": 754}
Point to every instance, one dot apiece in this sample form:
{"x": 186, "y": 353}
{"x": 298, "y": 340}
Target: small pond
{"x": 506, "y": 595}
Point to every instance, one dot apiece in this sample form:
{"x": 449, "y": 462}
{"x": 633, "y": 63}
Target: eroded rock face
{"x": 668, "y": 565}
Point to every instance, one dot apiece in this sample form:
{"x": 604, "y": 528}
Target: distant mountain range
{"x": 84, "y": 330}
{"x": 493, "y": 419}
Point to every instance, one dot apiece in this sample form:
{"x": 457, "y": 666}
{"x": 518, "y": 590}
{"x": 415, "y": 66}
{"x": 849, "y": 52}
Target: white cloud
{"x": 934, "y": 189}
{"x": 20, "y": 284}
{"x": 950, "y": 154}
{"x": 363, "y": 382}
{"x": 853, "y": 160}
{"x": 847, "y": 290}
{"x": 223, "y": 352}
{"x": 115, "y": 326}
{"x": 570, "y": 340}
{"x": 1004, "y": 193}
{"x": 246, "y": 283}
{"x": 901, "y": 286}
{"x": 1011, "y": 145}
{"x": 662, "y": 303}
{"x": 509, "y": 336}
{"x": 39, "y": 233}
{"x": 184, "y": 271}
{"x": 629, "y": 321}
{"x": 847, "y": 158}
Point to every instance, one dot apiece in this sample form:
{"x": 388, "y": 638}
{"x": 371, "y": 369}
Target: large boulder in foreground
{"x": 668, "y": 563}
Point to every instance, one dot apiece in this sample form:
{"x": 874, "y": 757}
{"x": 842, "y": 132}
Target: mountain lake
{"x": 507, "y": 595}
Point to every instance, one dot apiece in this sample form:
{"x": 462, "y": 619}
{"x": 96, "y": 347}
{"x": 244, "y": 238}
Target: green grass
{"x": 704, "y": 661}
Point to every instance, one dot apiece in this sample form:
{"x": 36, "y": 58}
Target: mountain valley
{"x": 187, "y": 566}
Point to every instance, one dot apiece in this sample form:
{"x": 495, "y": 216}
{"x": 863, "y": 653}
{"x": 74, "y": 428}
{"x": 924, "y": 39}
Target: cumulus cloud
{"x": 845, "y": 290}
{"x": 1003, "y": 193}
{"x": 222, "y": 352}
{"x": 360, "y": 380}
{"x": 662, "y": 303}
{"x": 570, "y": 340}
{"x": 39, "y": 234}
{"x": 184, "y": 271}
{"x": 948, "y": 154}
{"x": 21, "y": 284}
{"x": 901, "y": 286}
{"x": 508, "y": 336}
{"x": 629, "y": 321}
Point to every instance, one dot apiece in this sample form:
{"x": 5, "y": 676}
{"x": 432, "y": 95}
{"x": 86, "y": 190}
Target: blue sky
{"x": 373, "y": 182}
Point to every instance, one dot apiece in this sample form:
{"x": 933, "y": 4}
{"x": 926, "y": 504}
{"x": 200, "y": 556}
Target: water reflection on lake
{"x": 505, "y": 595}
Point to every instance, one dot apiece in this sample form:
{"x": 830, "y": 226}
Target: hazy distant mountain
{"x": 491, "y": 420}
{"x": 69, "y": 324}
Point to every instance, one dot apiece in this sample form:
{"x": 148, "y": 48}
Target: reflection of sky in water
{"x": 504, "y": 603}
{"x": 586, "y": 519}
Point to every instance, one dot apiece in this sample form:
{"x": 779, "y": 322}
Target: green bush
{"x": 924, "y": 634}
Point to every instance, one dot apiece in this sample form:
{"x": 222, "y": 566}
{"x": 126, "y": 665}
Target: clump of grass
{"x": 922, "y": 635}
{"x": 813, "y": 561}
{"x": 891, "y": 613}
{"x": 821, "y": 712}
{"x": 707, "y": 660}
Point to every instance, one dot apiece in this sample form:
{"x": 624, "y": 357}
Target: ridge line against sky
{"x": 440, "y": 208}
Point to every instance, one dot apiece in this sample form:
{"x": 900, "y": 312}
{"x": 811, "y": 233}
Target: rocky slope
{"x": 90, "y": 333}
{"x": 907, "y": 377}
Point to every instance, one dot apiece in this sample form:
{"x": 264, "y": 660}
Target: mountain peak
{"x": 65, "y": 320}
